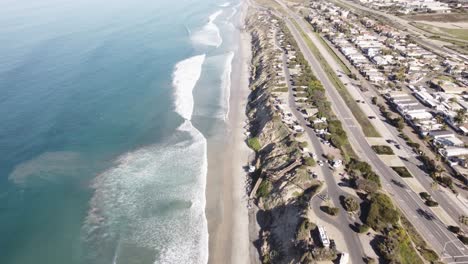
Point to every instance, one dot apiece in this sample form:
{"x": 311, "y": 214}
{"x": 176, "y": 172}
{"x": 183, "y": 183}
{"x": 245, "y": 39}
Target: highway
{"x": 430, "y": 227}
{"x": 342, "y": 220}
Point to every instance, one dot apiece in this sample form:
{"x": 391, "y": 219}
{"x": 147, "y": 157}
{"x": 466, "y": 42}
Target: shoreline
{"x": 226, "y": 207}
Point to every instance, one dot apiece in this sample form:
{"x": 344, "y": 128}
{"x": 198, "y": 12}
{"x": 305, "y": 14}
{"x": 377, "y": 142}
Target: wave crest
{"x": 209, "y": 35}
{"x": 185, "y": 77}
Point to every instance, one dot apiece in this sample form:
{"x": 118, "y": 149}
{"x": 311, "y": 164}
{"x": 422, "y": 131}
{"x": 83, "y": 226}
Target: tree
{"x": 309, "y": 161}
{"x": 398, "y": 122}
{"x": 351, "y": 204}
{"x": 439, "y": 119}
{"x": 460, "y": 117}
{"x": 389, "y": 247}
{"x": 381, "y": 213}
{"x": 374, "y": 99}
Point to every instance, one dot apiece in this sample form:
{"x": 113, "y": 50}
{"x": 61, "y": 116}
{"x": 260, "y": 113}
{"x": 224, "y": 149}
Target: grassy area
{"x": 402, "y": 171}
{"x": 427, "y": 253}
{"x": 254, "y": 144}
{"x": 269, "y": 3}
{"x": 280, "y": 90}
{"x": 264, "y": 189}
{"x": 440, "y": 17}
{"x": 367, "y": 128}
{"x": 382, "y": 150}
{"x": 459, "y": 33}
{"x": 343, "y": 66}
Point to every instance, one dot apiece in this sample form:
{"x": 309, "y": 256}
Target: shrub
{"x": 351, "y": 204}
{"x": 414, "y": 145}
{"x": 303, "y": 144}
{"x": 388, "y": 248}
{"x": 364, "y": 170}
{"x": 254, "y": 144}
{"x": 303, "y": 231}
{"x": 363, "y": 228}
{"x": 331, "y": 210}
{"x": 382, "y": 150}
{"x": 454, "y": 229}
{"x": 425, "y": 195}
{"x": 381, "y": 213}
{"x": 366, "y": 185}
{"x": 374, "y": 100}
{"x": 402, "y": 171}
{"x": 309, "y": 161}
{"x": 431, "y": 203}
{"x": 398, "y": 122}
{"x": 264, "y": 189}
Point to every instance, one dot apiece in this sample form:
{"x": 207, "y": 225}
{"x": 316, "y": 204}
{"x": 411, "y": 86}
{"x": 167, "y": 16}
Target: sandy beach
{"x": 226, "y": 210}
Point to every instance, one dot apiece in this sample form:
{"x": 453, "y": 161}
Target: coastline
{"x": 226, "y": 207}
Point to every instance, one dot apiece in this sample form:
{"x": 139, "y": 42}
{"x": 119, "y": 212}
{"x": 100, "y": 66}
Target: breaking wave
{"x": 185, "y": 77}
{"x": 151, "y": 204}
{"x": 226, "y": 82}
{"x": 152, "y": 201}
{"x": 209, "y": 35}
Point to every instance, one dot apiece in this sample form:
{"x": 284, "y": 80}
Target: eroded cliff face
{"x": 286, "y": 186}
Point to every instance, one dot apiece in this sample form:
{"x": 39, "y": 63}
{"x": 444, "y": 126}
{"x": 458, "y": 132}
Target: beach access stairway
{"x": 276, "y": 175}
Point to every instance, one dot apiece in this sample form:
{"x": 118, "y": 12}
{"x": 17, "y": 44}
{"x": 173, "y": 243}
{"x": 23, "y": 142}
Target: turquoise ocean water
{"x": 105, "y": 111}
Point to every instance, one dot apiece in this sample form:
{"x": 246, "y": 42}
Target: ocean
{"x": 106, "y": 110}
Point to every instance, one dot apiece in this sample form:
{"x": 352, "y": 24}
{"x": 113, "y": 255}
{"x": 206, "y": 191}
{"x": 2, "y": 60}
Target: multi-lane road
{"x": 428, "y": 225}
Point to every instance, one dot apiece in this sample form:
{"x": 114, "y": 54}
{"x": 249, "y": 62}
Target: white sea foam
{"x": 226, "y": 83}
{"x": 226, "y": 4}
{"x": 153, "y": 199}
{"x": 185, "y": 77}
{"x": 209, "y": 34}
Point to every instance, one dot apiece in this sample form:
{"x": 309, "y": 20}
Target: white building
{"x": 453, "y": 152}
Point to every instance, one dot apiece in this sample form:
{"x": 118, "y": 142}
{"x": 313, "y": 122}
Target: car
{"x": 320, "y": 163}
{"x": 372, "y": 117}
{"x": 397, "y": 146}
{"x": 314, "y": 175}
{"x": 339, "y": 75}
